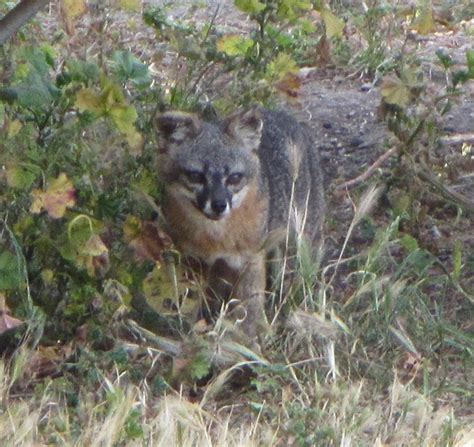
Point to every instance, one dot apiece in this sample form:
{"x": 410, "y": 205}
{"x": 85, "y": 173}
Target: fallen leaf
{"x": 146, "y": 239}
{"x": 289, "y": 85}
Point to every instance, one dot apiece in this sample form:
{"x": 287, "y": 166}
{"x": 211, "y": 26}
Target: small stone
{"x": 355, "y": 141}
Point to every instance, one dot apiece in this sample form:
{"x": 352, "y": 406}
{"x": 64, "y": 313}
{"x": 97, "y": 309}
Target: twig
{"x": 370, "y": 170}
{"x": 459, "y": 138}
{"x": 452, "y": 196}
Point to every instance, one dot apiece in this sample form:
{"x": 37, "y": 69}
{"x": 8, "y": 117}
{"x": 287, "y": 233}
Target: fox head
{"x": 210, "y": 165}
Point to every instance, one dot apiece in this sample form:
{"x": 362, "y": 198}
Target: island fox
{"x": 230, "y": 185}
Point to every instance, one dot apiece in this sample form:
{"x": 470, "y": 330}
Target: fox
{"x": 229, "y": 186}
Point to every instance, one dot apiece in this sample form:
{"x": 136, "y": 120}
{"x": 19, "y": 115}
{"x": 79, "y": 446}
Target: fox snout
{"x": 215, "y": 203}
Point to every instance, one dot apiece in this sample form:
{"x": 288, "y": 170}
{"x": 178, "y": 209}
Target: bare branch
{"x": 458, "y": 138}
{"x": 18, "y": 16}
{"x": 370, "y": 170}
{"x": 446, "y": 192}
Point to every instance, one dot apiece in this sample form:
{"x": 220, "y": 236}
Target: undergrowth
{"x": 99, "y": 331}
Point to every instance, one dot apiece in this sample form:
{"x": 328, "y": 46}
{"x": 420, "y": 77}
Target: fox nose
{"x": 219, "y": 206}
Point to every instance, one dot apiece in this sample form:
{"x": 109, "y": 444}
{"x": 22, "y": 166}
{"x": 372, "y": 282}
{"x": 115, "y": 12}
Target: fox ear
{"x": 246, "y": 127}
{"x": 175, "y": 127}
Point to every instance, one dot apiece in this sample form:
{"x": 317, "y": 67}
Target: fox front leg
{"x": 250, "y": 291}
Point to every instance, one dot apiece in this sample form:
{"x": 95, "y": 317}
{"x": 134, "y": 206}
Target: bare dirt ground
{"x": 342, "y": 110}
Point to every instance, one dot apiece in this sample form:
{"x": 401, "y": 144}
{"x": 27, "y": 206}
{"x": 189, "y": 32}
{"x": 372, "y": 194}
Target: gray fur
{"x": 231, "y": 185}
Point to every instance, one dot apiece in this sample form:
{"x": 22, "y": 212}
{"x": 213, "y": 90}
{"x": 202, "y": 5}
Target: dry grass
{"x": 301, "y": 413}
{"x": 334, "y": 375}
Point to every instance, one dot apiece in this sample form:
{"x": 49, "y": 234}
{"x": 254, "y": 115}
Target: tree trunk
{"x": 18, "y": 16}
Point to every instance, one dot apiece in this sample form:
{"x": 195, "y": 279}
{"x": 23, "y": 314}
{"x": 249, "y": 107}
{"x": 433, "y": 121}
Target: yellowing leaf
{"x": 424, "y": 22}
{"x": 131, "y": 5}
{"x": 112, "y": 94}
{"x": 14, "y": 127}
{"x": 165, "y": 289}
{"x": 279, "y": 67}
{"x": 58, "y": 196}
{"x": 70, "y": 11}
{"x": 47, "y": 275}
{"x": 234, "y": 45}
{"x": 94, "y": 246}
{"x": 74, "y": 8}
{"x": 334, "y": 25}
{"x": 395, "y": 92}
{"x": 124, "y": 117}
{"x": 111, "y": 102}
{"x": 135, "y": 141}
{"x": 88, "y": 100}
{"x": 94, "y": 256}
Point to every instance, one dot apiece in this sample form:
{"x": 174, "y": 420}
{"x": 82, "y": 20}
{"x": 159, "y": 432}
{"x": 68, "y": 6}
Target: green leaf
{"x": 50, "y": 54}
{"x": 127, "y": 67}
{"x": 33, "y": 93}
{"x": 156, "y": 17}
{"x": 460, "y": 77}
{"x": 250, "y": 6}
{"x": 457, "y": 260}
{"x": 409, "y": 243}
{"x": 80, "y": 71}
{"x": 200, "y": 366}
{"x": 444, "y": 58}
{"x": 37, "y": 60}
{"x": 34, "y": 87}
{"x": 131, "y": 5}
{"x": 470, "y": 62}
{"x": 234, "y": 45}
{"x": 307, "y": 26}
{"x": 292, "y": 9}
{"x": 419, "y": 260}
{"x": 21, "y": 177}
{"x": 164, "y": 289}
{"x": 10, "y": 271}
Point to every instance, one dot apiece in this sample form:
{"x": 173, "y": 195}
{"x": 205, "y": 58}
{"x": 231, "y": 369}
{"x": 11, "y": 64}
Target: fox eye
{"x": 195, "y": 177}
{"x": 235, "y": 179}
